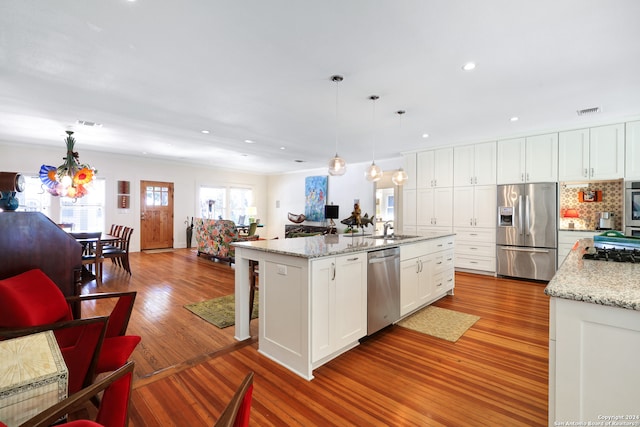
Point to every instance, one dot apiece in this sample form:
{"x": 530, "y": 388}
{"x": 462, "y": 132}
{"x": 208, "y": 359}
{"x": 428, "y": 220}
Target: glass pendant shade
{"x": 399, "y": 177}
{"x": 373, "y": 172}
{"x": 337, "y": 166}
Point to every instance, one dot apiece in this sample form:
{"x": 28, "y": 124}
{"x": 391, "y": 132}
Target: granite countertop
{"x": 598, "y": 282}
{"x": 330, "y": 244}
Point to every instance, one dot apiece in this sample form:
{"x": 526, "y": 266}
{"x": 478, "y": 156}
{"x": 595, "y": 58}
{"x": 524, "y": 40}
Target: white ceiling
{"x": 156, "y": 73}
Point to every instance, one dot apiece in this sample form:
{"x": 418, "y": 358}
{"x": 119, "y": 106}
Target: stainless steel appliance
{"x": 527, "y": 237}
{"x": 614, "y": 246}
{"x": 632, "y": 208}
{"x": 383, "y": 293}
{"x": 605, "y": 220}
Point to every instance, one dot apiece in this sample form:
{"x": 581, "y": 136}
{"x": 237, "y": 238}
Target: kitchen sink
{"x": 395, "y": 237}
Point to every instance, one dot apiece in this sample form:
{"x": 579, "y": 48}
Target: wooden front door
{"x": 156, "y": 215}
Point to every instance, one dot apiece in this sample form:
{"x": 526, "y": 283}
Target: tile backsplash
{"x": 612, "y": 201}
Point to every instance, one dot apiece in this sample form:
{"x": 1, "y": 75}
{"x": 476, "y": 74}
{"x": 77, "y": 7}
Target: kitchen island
{"x": 594, "y": 341}
{"x": 313, "y": 291}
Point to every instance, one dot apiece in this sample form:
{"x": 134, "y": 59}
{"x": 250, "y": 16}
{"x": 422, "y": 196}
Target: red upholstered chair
{"x": 114, "y": 406}
{"x": 238, "y": 410}
{"x": 32, "y": 299}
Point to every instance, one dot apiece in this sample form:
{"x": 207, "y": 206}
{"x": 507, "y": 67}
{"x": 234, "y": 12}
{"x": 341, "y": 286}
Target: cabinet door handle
{"x": 475, "y": 180}
{"x": 471, "y": 221}
{"x": 352, "y": 259}
{"x": 527, "y": 176}
{"x": 592, "y": 173}
{"x": 439, "y": 262}
{"x": 522, "y": 177}
{"x": 333, "y": 271}
{"x": 586, "y": 173}
{"x": 439, "y": 284}
{"x": 473, "y": 234}
{"x": 449, "y": 280}
{"x": 470, "y": 180}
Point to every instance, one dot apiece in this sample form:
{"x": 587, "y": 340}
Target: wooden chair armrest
{"x": 68, "y": 405}
{"x": 121, "y": 313}
{"x": 8, "y": 333}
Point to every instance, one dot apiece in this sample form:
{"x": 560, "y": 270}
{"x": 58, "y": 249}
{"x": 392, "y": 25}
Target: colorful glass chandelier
{"x": 71, "y": 179}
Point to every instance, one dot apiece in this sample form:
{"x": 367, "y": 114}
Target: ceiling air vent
{"x": 88, "y": 123}
{"x": 586, "y": 111}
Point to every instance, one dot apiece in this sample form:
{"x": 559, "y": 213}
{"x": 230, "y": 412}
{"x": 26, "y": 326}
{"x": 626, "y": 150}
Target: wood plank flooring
{"x": 187, "y": 369}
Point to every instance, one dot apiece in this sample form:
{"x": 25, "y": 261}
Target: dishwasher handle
{"x": 382, "y": 259}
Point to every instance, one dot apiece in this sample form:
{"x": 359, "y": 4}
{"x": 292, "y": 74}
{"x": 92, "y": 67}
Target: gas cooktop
{"x": 611, "y": 254}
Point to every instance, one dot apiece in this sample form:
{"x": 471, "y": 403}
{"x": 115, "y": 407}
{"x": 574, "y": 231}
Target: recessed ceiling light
{"x": 244, "y": 155}
{"x": 299, "y": 161}
{"x": 249, "y": 141}
{"x": 469, "y": 66}
{"x": 514, "y": 119}
{"x": 206, "y": 132}
{"x": 425, "y": 135}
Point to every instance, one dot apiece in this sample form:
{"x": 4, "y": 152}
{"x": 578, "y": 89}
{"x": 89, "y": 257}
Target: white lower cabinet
{"x": 339, "y": 295}
{"x": 426, "y": 273}
{"x": 567, "y": 239}
{"x": 476, "y": 249}
{"x": 593, "y": 363}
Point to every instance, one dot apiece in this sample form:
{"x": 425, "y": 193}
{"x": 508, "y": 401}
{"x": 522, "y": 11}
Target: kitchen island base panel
{"x": 593, "y": 361}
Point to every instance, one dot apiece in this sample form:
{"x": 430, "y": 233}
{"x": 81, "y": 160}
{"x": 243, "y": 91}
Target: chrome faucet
{"x": 387, "y": 226}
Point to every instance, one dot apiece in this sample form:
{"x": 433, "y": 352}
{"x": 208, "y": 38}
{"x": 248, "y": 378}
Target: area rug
{"x": 221, "y": 311}
{"x": 440, "y": 322}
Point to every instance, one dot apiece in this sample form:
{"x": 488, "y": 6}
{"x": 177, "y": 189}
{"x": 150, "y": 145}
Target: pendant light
{"x": 399, "y": 177}
{"x": 373, "y": 172}
{"x": 337, "y": 166}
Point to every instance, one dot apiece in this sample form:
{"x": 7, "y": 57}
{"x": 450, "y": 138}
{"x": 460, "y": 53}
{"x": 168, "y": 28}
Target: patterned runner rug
{"x": 221, "y": 311}
{"x": 439, "y": 322}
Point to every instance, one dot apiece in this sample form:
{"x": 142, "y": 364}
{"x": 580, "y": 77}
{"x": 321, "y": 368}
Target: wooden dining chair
{"x": 118, "y": 252}
{"x": 93, "y": 257}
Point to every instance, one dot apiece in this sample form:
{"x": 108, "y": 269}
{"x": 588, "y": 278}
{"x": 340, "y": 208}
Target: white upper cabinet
{"x": 474, "y": 164}
{"x": 410, "y": 169}
{"x": 541, "y": 164}
{"x": 632, "y": 170}
{"x": 607, "y": 152}
{"x": 435, "y": 207}
{"x": 592, "y": 154}
{"x": 531, "y": 159}
{"x": 435, "y": 168}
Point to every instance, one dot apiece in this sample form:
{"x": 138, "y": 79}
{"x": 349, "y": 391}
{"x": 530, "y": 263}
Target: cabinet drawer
{"x": 485, "y": 235}
{"x": 415, "y": 250}
{"x": 443, "y": 282}
{"x": 480, "y": 249}
{"x": 479, "y": 263}
{"x": 443, "y": 261}
{"x": 443, "y": 243}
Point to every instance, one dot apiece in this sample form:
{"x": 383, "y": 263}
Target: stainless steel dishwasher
{"x": 383, "y": 293}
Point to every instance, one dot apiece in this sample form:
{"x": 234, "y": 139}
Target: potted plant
{"x": 189, "y": 231}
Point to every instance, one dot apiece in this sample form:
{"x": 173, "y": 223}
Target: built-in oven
{"x": 632, "y": 208}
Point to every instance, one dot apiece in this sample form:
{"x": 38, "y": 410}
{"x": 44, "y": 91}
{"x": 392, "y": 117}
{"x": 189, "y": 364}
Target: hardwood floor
{"x": 187, "y": 369}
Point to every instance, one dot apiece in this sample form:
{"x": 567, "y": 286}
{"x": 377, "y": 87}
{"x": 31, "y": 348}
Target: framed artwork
{"x": 315, "y": 191}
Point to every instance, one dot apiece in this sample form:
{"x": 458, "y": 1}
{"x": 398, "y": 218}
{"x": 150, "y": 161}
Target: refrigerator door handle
{"x": 527, "y": 215}
{"x": 541, "y": 251}
{"x": 520, "y": 216}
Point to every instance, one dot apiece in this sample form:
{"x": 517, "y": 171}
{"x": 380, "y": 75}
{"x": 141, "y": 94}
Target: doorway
{"x": 156, "y": 215}
{"x": 388, "y": 201}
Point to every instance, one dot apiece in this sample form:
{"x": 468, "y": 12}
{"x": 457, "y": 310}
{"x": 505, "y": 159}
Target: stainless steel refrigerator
{"x": 527, "y": 232}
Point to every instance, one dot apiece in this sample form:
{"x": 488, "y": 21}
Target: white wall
{"x": 187, "y": 179}
{"x": 288, "y": 190}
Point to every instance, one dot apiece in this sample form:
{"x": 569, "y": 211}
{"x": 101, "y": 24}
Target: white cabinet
{"x": 531, "y": 159}
{"x": 435, "y": 168}
{"x": 426, "y": 273}
{"x": 475, "y": 249}
{"x": 474, "y": 164}
{"x": 592, "y": 154}
{"x": 409, "y": 209}
{"x": 567, "y": 239}
{"x": 339, "y": 295}
{"x": 593, "y": 363}
{"x": 475, "y": 206}
{"x": 410, "y": 169}
{"x": 435, "y": 207}
{"x": 632, "y": 158}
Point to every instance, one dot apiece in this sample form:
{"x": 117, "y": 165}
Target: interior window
{"x": 225, "y": 203}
